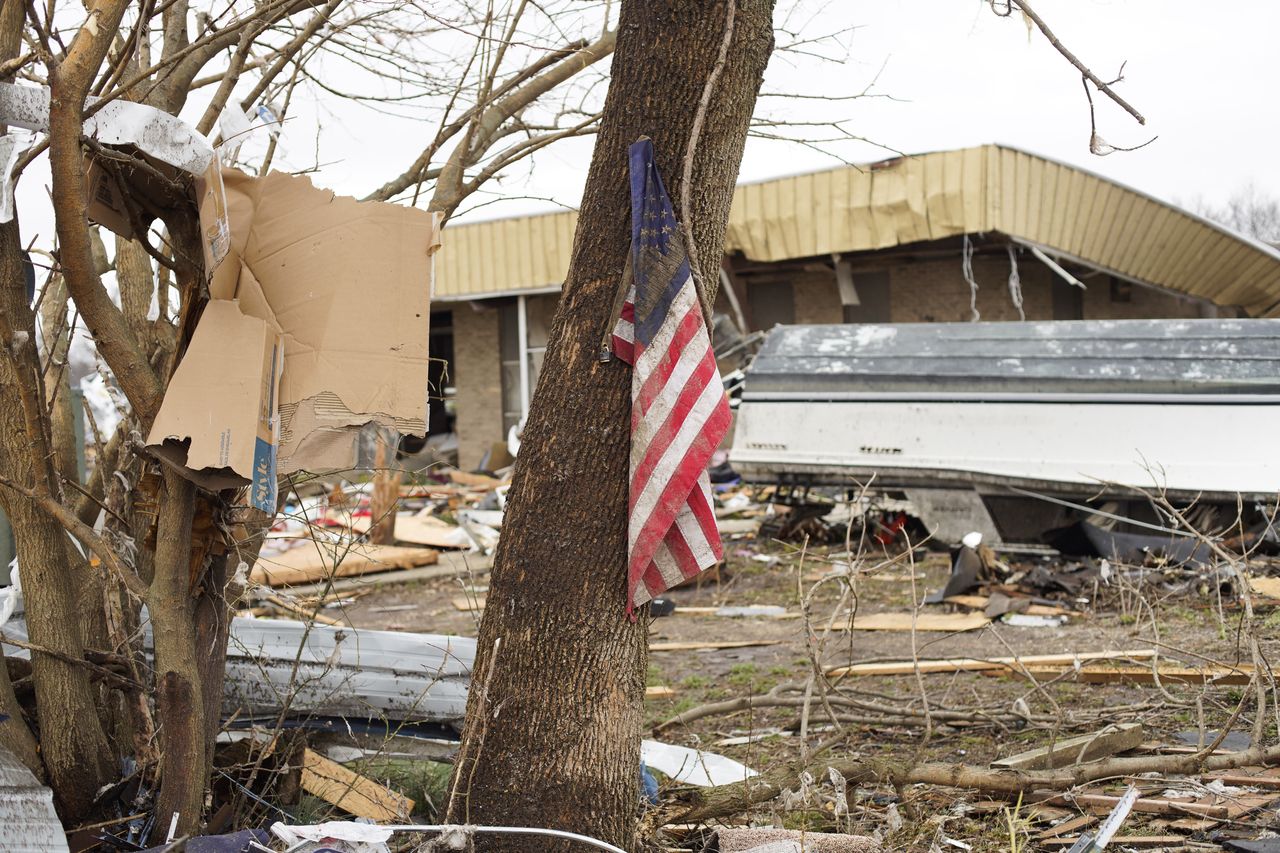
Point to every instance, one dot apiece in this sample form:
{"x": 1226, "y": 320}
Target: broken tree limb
{"x": 1065, "y": 661}
{"x": 695, "y": 805}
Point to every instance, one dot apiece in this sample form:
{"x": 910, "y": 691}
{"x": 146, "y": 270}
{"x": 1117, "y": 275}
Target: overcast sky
{"x": 1206, "y": 76}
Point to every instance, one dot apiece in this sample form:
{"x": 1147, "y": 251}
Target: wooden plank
{"x": 426, "y": 530}
{"x": 980, "y": 602}
{"x": 468, "y": 604}
{"x": 1124, "y": 841}
{"x": 305, "y": 613}
{"x": 1119, "y": 738}
{"x": 1265, "y": 587}
{"x": 1243, "y": 780}
{"x": 313, "y": 562}
{"x": 351, "y": 792}
{"x": 480, "y": 481}
{"x": 691, "y": 647}
{"x": 1104, "y": 803}
{"x": 947, "y": 622}
{"x": 659, "y": 692}
{"x": 1067, "y": 827}
{"x": 1143, "y": 675}
{"x": 1061, "y": 661}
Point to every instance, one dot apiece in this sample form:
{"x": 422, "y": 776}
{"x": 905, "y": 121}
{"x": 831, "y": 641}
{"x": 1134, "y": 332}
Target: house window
{"x": 524, "y": 325}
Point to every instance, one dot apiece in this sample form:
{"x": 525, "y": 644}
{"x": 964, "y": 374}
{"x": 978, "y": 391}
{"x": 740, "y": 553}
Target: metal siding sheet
{"x": 861, "y": 222}
{"x": 1112, "y": 223}
{"x": 1048, "y": 187}
{"x": 932, "y": 196}
{"x": 915, "y": 203}
{"x": 1026, "y": 181}
{"x": 820, "y": 198}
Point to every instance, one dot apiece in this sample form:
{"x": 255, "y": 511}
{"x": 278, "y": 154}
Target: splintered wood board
{"x": 1177, "y": 841}
{"x": 420, "y": 530}
{"x": 1265, "y": 587}
{"x": 351, "y": 792}
{"x": 948, "y": 622}
{"x": 1061, "y": 661}
{"x": 693, "y": 647}
{"x": 1066, "y": 751}
{"x": 980, "y": 602}
{"x": 314, "y": 562}
{"x": 1102, "y": 674}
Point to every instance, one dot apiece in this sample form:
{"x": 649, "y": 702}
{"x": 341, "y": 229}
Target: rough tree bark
{"x": 553, "y": 719}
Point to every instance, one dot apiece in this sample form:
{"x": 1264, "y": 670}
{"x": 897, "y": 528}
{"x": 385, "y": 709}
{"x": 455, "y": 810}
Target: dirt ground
{"x": 1187, "y": 622}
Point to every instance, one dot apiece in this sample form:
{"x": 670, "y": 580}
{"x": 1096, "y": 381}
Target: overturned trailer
{"x": 997, "y": 427}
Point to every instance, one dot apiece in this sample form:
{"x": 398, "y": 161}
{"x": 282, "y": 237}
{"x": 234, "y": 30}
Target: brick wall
{"x": 935, "y": 291}
{"x": 478, "y": 366}
{"x": 1144, "y": 303}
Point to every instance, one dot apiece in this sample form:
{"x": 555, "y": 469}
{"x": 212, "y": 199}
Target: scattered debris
{"x": 768, "y": 840}
{"x": 692, "y": 766}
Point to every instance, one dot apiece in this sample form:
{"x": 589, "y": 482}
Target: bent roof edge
{"x": 899, "y": 200}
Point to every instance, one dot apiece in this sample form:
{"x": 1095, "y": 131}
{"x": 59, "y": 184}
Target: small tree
{"x": 164, "y": 543}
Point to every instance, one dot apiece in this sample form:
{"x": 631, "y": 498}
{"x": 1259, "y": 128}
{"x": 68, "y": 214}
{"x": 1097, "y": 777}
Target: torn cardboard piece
{"x": 349, "y": 284}
{"x": 219, "y": 421}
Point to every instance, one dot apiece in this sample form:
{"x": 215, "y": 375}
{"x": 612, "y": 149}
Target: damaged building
{"x": 988, "y": 232}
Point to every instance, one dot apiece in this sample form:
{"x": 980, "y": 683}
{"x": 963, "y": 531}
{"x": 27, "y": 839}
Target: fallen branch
{"x": 693, "y": 805}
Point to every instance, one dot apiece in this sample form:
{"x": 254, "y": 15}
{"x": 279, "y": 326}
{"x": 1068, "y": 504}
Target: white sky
{"x": 1205, "y": 75}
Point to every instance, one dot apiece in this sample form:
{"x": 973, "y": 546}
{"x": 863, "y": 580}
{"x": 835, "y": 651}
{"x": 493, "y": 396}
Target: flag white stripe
{"x": 693, "y": 354}
{"x": 712, "y": 395}
{"x": 657, "y": 348}
{"x": 691, "y": 530}
{"x": 667, "y": 565}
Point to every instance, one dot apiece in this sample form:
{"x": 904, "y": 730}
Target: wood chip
{"x": 351, "y": 792}
{"x": 468, "y": 604}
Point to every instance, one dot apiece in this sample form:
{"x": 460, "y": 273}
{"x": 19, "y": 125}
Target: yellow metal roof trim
{"x": 911, "y": 199}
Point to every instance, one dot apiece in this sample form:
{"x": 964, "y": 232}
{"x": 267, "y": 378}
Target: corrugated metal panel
{"x": 1184, "y": 357}
{"x": 28, "y": 823}
{"x": 910, "y": 199}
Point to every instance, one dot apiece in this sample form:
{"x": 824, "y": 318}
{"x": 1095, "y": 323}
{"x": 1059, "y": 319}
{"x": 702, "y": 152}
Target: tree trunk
{"x": 554, "y": 713}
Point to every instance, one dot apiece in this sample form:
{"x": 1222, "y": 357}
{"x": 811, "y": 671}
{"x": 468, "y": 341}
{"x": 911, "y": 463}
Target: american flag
{"x": 679, "y": 412}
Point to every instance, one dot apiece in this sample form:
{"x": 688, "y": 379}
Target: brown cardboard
{"x": 218, "y": 422}
{"x": 349, "y": 284}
